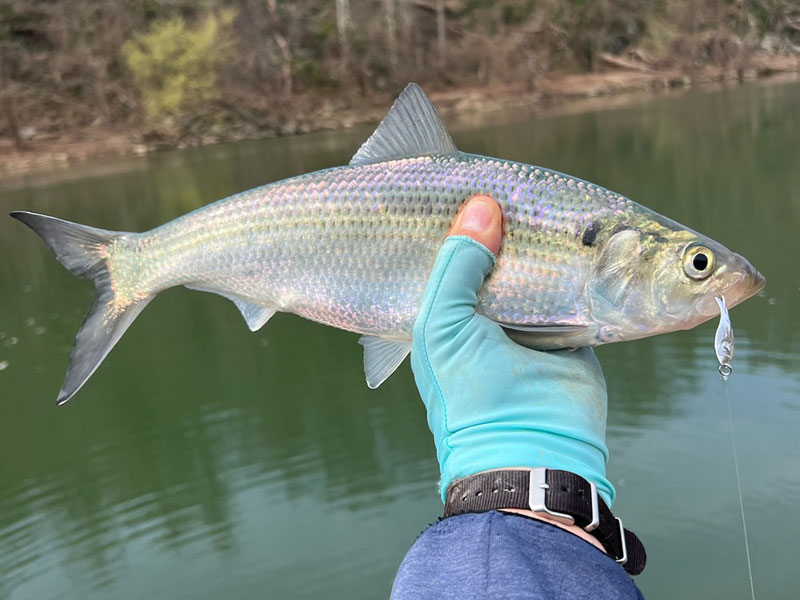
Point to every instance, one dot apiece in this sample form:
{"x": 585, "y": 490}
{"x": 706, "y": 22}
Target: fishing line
{"x": 725, "y": 374}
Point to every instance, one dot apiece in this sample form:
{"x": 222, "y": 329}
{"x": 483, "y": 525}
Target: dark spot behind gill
{"x": 590, "y": 234}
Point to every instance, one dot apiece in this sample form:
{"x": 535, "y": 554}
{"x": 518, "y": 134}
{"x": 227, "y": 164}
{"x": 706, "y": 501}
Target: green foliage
{"x": 175, "y": 67}
{"x": 309, "y": 71}
{"x": 660, "y": 33}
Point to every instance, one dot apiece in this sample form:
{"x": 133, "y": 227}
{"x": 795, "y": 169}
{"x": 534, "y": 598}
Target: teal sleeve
{"x": 495, "y": 404}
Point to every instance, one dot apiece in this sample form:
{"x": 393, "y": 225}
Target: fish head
{"x": 660, "y": 277}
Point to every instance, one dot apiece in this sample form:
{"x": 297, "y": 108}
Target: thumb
{"x": 481, "y": 219}
{"x": 464, "y": 259}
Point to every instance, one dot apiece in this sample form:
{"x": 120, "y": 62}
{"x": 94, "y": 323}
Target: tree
{"x": 175, "y": 67}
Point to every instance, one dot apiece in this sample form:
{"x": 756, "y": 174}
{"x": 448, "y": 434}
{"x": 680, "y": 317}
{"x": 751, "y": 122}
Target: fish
{"x": 352, "y": 247}
{"x": 723, "y": 339}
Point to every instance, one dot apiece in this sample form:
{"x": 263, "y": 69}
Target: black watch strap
{"x": 561, "y": 495}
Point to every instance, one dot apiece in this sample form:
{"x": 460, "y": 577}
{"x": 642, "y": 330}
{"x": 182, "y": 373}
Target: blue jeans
{"x": 495, "y": 555}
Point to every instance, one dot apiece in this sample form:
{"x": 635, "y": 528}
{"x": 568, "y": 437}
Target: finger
{"x": 482, "y": 220}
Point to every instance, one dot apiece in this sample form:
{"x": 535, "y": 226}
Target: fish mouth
{"x": 748, "y": 283}
{"x": 758, "y": 284}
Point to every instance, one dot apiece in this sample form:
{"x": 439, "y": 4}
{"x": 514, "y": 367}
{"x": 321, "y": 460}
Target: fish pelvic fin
{"x": 85, "y": 251}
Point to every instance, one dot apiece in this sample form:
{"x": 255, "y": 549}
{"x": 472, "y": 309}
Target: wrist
{"x": 491, "y": 447}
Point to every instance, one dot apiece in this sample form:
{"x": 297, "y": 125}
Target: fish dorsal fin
{"x": 382, "y": 357}
{"x": 412, "y": 128}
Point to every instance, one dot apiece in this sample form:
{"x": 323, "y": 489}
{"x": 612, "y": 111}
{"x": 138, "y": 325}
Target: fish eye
{"x": 698, "y": 262}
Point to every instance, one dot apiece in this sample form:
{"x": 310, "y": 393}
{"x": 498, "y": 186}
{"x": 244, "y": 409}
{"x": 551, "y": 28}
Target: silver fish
{"x": 353, "y": 246}
{"x": 723, "y": 339}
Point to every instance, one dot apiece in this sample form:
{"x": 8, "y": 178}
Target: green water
{"x": 204, "y": 461}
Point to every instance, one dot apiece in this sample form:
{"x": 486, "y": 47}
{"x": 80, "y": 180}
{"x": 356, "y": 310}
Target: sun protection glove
{"x": 495, "y": 404}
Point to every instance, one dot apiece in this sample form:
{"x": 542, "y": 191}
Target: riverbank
{"x": 313, "y": 112}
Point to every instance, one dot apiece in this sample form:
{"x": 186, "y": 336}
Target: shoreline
{"x": 559, "y": 93}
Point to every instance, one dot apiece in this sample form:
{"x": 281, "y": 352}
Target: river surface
{"x": 205, "y": 461}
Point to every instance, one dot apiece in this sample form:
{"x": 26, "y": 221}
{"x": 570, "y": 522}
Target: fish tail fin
{"x": 84, "y": 251}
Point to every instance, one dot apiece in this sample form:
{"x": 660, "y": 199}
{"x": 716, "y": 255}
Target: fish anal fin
{"x": 382, "y": 357}
{"x": 254, "y": 315}
{"x": 411, "y": 128}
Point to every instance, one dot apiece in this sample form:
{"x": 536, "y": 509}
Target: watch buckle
{"x": 536, "y": 489}
{"x": 624, "y": 558}
{"x": 595, "y": 522}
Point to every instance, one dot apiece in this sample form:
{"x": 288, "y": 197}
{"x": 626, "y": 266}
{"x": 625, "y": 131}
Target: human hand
{"x": 492, "y": 403}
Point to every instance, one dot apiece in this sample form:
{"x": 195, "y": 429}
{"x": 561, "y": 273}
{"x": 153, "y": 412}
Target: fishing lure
{"x": 723, "y": 340}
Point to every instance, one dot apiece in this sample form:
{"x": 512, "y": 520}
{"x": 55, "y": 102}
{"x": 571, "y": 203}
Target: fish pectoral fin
{"x": 254, "y": 315}
{"x": 546, "y": 337}
{"x": 411, "y": 128}
{"x": 382, "y": 357}
{"x": 548, "y": 329}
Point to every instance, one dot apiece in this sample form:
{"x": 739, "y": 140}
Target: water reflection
{"x": 204, "y": 460}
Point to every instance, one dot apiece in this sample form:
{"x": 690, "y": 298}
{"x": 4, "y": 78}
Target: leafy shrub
{"x": 175, "y": 67}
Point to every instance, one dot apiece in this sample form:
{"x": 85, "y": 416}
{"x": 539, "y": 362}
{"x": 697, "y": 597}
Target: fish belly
{"x": 352, "y": 247}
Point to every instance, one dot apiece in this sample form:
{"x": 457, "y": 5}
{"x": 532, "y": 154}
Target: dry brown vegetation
{"x": 177, "y": 72}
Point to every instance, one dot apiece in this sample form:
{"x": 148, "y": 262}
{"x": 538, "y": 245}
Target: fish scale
{"x": 353, "y": 246}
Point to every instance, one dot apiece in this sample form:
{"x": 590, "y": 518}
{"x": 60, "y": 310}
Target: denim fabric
{"x": 493, "y": 555}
